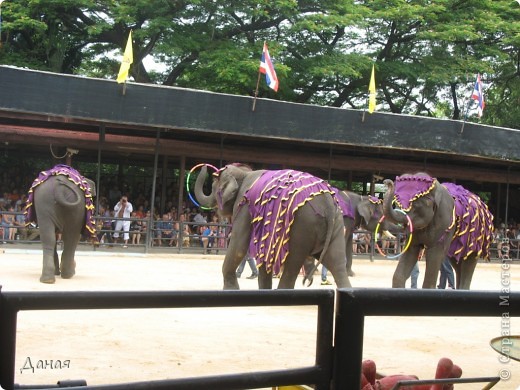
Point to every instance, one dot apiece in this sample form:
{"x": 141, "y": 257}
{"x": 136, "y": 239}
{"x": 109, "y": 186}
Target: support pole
{"x": 256, "y": 90}
{"x": 149, "y": 226}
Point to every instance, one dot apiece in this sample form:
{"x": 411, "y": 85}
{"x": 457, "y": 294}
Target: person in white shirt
{"x": 123, "y": 209}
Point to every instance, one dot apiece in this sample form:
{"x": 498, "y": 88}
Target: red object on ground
{"x": 445, "y": 369}
{"x": 368, "y": 368}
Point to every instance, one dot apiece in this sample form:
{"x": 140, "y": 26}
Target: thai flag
{"x": 267, "y": 68}
{"x": 478, "y": 95}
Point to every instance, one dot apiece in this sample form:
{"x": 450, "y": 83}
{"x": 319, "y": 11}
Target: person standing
{"x": 252, "y": 264}
{"x": 324, "y": 280}
{"x": 123, "y": 209}
{"x": 446, "y": 275}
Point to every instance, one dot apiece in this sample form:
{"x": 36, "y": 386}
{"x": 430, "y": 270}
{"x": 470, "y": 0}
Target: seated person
{"x": 166, "y": 230}
{"x": 208, "y": 237}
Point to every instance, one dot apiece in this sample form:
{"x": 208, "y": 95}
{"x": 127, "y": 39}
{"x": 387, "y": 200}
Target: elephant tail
{"x": 330, "y": 230}
{"x": 66, "y": 193}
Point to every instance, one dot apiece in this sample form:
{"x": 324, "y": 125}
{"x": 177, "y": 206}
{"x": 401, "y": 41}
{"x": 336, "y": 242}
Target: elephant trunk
{"x": 388, "y": 210}
{"x": 203, "y": 199}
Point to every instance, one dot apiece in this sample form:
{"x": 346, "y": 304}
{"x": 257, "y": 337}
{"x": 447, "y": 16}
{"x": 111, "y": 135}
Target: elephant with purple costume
{"x": 359, "y": 211}
{"x": 365, "y": 212}
{"x": 60, "y": 200}
{"x": 280, "y": 218}
{"x": 448, "y": 221}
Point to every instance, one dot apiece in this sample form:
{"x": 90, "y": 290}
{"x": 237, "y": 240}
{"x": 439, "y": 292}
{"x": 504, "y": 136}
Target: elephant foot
{"x": 350, "y": 273}
{"x": 57, "y": 272}
{"x": 67, "y": 275}
{"x": 47, "y": 280}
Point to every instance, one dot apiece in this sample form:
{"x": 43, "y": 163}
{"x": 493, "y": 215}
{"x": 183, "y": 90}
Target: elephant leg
{"x": 405, "y": 266}
{"x": 237, "y": 249}
{"x": 265, "y": 280}
{"x": 229, "y": 268}
{"x": 348, "y": 252}
{"x": 70, "y": 243}
{"x": 291, "y": 269}
{"x": 56, "y": 260}
{"x": 335, "y": 259}
{"x": 48, "y": 239}
{"x": 467, "y": 268}
{"x": 434, "y": 257}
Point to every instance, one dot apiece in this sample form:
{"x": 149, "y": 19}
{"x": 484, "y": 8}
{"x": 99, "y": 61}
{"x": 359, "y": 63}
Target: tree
{"x": 426, "y": 53}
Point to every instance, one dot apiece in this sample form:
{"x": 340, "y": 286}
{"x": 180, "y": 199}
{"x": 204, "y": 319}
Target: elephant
{"x": 60, "y": 201}
{"x": 359, "y": 211}
{"x": 280, "y": 217}
{"x": 447, "y": 220}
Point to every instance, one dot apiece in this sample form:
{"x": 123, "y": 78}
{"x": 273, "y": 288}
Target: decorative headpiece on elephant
{"x": 448, "y": 221}
{"x": 280, "y": 218}
{"x": 60, "y": 200}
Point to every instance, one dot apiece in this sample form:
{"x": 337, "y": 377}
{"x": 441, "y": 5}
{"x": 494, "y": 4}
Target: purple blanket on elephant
{"x": 473, "y": 224}
{"x": 273, "y": 199}
{"x": 75, "y": 177}
{"x": 345, "y": 205}
{"x": 472, "y": 220}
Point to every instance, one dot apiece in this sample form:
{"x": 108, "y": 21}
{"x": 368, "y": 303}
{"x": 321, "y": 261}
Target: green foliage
{"x": 427, "y": 53}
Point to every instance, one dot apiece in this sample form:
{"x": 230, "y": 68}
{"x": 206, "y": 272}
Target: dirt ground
{"x": 110, "y": 346}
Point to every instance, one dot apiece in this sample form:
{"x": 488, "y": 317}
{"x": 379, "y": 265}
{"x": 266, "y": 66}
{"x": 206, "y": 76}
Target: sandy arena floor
{"x": 110, "y": 346}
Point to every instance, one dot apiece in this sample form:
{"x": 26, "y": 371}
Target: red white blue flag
{"x": 267, "y": 68}
{"x": 478, "y": 95}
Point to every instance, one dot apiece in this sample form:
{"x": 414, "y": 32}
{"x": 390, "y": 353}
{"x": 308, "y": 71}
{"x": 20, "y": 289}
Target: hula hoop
{"x": 410, "y": 227}
{"x": 188, "y": 184}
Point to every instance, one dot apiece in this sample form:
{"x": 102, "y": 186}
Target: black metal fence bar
{"x": 354, "y": 304}
{"x": 13, "y": 302}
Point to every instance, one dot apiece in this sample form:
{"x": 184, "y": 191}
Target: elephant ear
{"x": 92, "y": 186}
{"x": 228, "y": 189}
{"x": 438, "y": 193}
{"x": 366, "y": 211}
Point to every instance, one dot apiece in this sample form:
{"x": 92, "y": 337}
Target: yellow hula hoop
{"x": 410, "y": 227}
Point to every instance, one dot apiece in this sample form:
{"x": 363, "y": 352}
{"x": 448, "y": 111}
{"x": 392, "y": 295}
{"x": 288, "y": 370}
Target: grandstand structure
{"x": 101, "y": 121}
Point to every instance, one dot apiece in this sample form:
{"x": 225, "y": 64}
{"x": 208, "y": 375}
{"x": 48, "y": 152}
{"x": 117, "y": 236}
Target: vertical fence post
{"x": 348, "y": 344}
{"x": 7, "y": 344}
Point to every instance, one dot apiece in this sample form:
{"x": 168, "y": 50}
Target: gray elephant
{"x": 60, "y": 201}
{"x": 280, "y": 217}
{"x": 359, "y": 211}
{"x": 448, "y": 222}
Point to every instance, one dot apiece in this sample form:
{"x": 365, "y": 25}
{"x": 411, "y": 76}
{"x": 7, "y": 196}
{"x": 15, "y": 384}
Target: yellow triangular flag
{"x": 372, "y": 92}
{"x": 128, "y": 58}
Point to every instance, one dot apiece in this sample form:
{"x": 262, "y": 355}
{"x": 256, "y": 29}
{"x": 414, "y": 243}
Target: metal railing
{"x": 395, "y": 246}
{"x": 353, "y": 305}
{"x": 150, "y": 235}
{"x": 337, "y": 367}
{"x": 319, "y": 374}
{"x": 192, "y": 241}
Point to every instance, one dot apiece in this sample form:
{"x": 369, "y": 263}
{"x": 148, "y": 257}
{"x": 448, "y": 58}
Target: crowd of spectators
{"x": 190, "y": 226}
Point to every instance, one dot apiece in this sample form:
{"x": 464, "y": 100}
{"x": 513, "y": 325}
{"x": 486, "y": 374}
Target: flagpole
{"x": 1, "y": 1}
{"x": 465, "y": 116}
{"x": 256, "y": 90}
